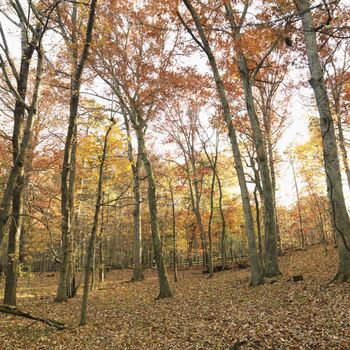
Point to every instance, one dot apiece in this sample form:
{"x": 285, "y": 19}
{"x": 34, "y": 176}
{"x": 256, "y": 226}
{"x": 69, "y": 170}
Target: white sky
{"x": 296, "y": 133}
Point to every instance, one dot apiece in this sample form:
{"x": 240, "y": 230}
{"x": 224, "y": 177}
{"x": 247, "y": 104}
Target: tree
{"x": 92, "y": 241}
{"x": 24, "y": 114}
{"x": 66, "y": 288}
{"x": 248, "y": 78}
{"x": 340, "y": 217}
{"x": 136, "y": 168}
{"x": 135, "y": 66}
{"x": 203, "y": 43}
{"x": 181, "y": 124}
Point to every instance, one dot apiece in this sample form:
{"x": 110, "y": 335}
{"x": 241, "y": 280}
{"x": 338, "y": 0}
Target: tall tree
{"x": 92, "y": 241}
{"x": 203, "y": 43}
{"x": 32, "y": 30}
{"x": 135, "y": 168}
{"x": 340, "y": 217}
{"x": 136, "y": 68}
{"x": 66, "y": 287}
{"x": 181, "y": 125}
{"x": 24, "y": 114}
{"x": 248, "y": 77}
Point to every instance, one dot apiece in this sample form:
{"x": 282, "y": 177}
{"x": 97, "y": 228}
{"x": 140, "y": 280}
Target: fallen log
{"x": 12, "y": 310}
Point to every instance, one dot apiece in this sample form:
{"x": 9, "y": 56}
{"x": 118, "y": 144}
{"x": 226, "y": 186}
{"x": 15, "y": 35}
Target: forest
{"x": 174, "y": 174}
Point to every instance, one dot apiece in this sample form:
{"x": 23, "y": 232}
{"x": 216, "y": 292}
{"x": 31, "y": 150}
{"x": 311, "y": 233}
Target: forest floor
{"x": 205, "y": 313}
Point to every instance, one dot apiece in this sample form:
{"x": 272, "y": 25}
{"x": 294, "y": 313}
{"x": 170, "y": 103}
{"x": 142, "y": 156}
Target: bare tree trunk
{"x": 21, "y": 133}
{"x": 223, "y": 222}
{"x": 174, "y": 233}
{"x": 192, "y": 178}
{"x": 271, "y": 253}
{"x": 20, "y": 145}
{"x": 101, "y": 254}
{"x": 213, "y": 161}
{"x": 66, "y": 279}
{"x": 190, "y": 246}
{"x": 342, "y": 148}
{"x": 13, "y": 243}
{"x": 340, "y": 217}
{"x": 267, "y": 122}
{"x": 91, "y": 247}
{"x": 256, "y": 269}
{"x": 301, "y": 226}
{"x": 137, "y": 274}
{"x": 210, "y": 225}
{"x": 258, "y": 224}
{"x": 164, "y": 286}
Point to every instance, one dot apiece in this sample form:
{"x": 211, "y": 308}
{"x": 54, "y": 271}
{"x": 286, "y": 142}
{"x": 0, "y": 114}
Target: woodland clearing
{"x": 205, "y": 313}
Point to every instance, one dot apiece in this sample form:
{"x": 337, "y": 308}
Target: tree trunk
{"x": 270, "y": 153}
{"x": 20, "y": 141}
{"x": 101, "y": 257}
{"x": 10, "y": 310}
{"x": 340, "y": 218}
{"x": 20, "y": 137}
{"x": 137, "y": 274}
{"x": 164, "y": 286}
{"x": 258, "y": 224}
{"x": 256, "y": 269}
{"x": 91, "y": 247}
{"x": 190, "y": 246}
{"x": 66, "y": 288}
{"x": 210, "y": 223}
{"x": 174, "y": 234}
{"x": 195, "y": 199}
{"x": 301, "y": 226}
{"x": 342, "y": 148}
{"x": 13, "y": 244}
{"x": 223, "y": 221}
{"x": 271, "y": 253}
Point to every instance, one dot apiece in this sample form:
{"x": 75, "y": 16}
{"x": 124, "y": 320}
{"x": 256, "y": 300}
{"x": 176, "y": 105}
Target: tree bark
{"x": 342, "y": 147}
{"x": 164, "y": 286}
{"x": 256, "y": 269}
{"x": 137, "y": 274}
{"x": 20, "y": 144}
{"x": 340, "y": 217}
{"x": 13, "y": 243}
{"x": 66, "y": 288}
{"x": 223, "y": 222}
{"x": 174, "y": 233}
{"x": 21, "y": 135}
{"x": 92, "y": 241}
{"x": 210, "y": 223}
{"x": 7, "y": 309}
{"x": 301, "y": 226}
{"x": 271, "y": 253}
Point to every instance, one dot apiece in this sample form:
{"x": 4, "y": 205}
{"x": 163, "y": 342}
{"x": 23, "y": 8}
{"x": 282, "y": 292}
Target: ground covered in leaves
{"x": 205, "y": 313}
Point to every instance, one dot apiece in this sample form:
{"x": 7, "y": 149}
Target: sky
{"x": 297, "y": 132}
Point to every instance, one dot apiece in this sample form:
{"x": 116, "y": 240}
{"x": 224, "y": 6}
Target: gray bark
{"x": 20, "y": 145}
{"x": 137, "y": 227}
{"x": 223, "y": 222}
{"x": 21, "y": 131}
{"x": 256, "y": 269}
{"x": 164, "y": 286}
{"x": 301, "y": 226}
{"x": 66, "y": 288}
{"x": 271, "y": 261}
{"x": 342, "y": 147}
{"x": 92, "y": 241}
{"x": 340, "y": 217}
{"x": 174, "y": 232}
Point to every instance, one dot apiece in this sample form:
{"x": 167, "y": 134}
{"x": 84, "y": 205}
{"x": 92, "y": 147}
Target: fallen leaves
{"x": 205, "y": 313}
